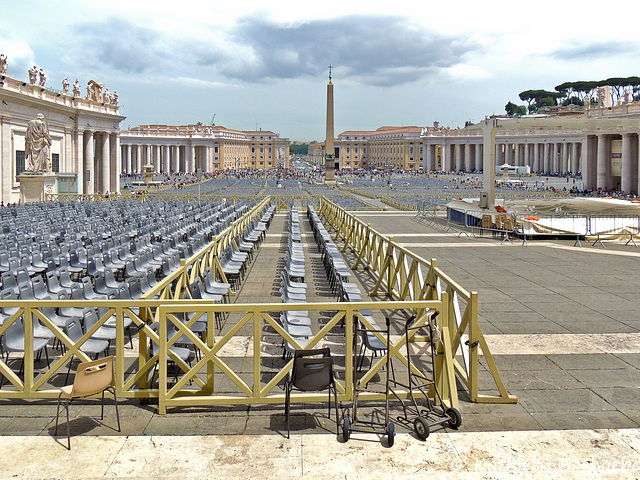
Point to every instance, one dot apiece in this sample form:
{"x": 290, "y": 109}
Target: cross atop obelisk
{"x": 329, "y": 149}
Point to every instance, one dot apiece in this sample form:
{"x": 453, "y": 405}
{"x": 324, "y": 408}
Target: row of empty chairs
{"x": 293, "y": 289}
{"x": 339, "y": 274}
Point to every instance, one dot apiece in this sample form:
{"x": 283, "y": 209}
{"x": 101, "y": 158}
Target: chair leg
{"x": 57, "y": 415}
{"x": 115, "y": 402}
{"x": 287, "y": 408}
{"x": 68, "y": 427}
{"x": 66, "y": 380}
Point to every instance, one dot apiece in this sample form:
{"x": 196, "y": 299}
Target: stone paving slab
{"x": 584, "y": 453}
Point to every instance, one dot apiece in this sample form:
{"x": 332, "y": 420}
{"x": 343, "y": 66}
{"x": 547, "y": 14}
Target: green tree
{"x": 514, "y": 110}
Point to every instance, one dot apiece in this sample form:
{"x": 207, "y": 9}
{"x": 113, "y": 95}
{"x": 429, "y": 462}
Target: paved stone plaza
{"x": 561, "y": 321}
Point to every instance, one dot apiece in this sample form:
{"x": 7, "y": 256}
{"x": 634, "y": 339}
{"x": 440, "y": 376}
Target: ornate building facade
{"x": 85, "y": 148}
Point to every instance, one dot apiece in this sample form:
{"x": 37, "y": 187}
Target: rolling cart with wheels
{"x": 354, "y": 423}
{"x": 423, "y": 418}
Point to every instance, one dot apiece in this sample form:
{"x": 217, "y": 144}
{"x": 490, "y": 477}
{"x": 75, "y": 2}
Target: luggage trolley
{"x": 355, "y": 424}
{"x": 423, "y": 418}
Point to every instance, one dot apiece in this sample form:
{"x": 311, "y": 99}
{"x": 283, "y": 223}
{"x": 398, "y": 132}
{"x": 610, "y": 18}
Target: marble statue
{"x": 3, "y": 64}
{"x": 33, "y": 75}
{"x": 37, "y": 146}
{"x": 114, "y": 98}
{"x": 106, "y": 96}
{"x": 94, "y": 90}
{"x": 76, "y": 88}
{"x": 628, "y": 96}
{"x": 43, "y": 78}
{"x": 65, "y": 86}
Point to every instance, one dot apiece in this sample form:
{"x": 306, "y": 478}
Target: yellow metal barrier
{"x": 194, "y": 384}
{"x": 403, "y": 275}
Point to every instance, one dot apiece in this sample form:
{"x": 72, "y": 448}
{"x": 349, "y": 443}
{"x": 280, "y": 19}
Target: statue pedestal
{"x": 34, "y": 187}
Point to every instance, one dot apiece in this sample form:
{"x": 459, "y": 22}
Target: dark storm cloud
{"x": 122, "y": 45}
{"x": 593, "y": 51}
{"x": 374, "y": 50}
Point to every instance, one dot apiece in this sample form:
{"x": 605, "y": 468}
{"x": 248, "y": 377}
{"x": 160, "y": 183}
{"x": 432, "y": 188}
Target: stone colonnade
{"x": 100, "y": 161}
{"x": 166, "y": 158}
{"x": 607, "y": 161}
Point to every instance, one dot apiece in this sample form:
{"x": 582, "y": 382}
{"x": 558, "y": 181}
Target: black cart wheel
{"x": 421, "y": 427}
{"x": 391, "y": 434}
{"x": 455, "y": 419}
{"x": 346, "y": 429}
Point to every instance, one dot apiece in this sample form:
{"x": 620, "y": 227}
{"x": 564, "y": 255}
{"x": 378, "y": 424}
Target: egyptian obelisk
{"x": 329, "y": 156}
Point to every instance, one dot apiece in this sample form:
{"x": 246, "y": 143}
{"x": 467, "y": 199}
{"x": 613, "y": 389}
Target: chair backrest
{"x": 39, "y": 288}
{"x": 9, "y": 280}
{"x": 90, "y": 318}
{"x": 23, "y": 277}
{"x": 94, "y": 377}
{"x": 26, "y": 291}
{"x": 73, "y": 328}
{"x": 311, "y": 372}
{"x": 195, "y": 290}
{"x": 91, "y": 267}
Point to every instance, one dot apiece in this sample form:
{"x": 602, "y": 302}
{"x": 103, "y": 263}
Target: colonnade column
{"x": 192, "y": 159}
{"x": 165, "y": 157}
{"x": 564, "y": 155}
{"x": 116, "y": 162}
{"x": 138, "y": 158}
{"x": 629, "y": 174}
{"x": 467, "y": 158}
{"x": 459, "y": 158}
{"x": 428, "y": 166}
{"x": 535, "y": 163}
{"x": 209, "y": 159}
{"x": 128, "y": 147}
{"x": 575, "y": 163}
{"x": 478, "y": 165}
{"x": 88, "y": 161}
{"x": 589, "y": 161}
{"x": 105, "y": 157}
{"x": 603, "y": 168}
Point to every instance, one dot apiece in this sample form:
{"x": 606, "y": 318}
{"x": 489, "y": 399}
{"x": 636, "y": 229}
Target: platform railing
{"x": 403, "y": 275}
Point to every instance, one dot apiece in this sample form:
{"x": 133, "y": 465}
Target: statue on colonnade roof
{"x": 3, "y": 64}
{"x": 33, "y": 75}
{"x": 94, "y": 90}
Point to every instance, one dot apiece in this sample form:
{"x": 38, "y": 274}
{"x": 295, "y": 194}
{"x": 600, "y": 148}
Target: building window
{"x": 215, "y": 149}
{"x": 19, "y": 162}
{"x": 55, "y": 162}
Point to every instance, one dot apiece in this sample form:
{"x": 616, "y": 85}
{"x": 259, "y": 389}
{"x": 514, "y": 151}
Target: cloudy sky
{"x": 254, "y": 64}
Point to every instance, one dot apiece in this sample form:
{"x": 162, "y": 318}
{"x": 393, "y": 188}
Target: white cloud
{"x": 464, "y": 72}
